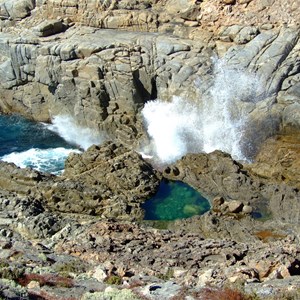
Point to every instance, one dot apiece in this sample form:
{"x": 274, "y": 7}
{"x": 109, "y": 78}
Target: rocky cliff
{"x": 100, "y": 62}
{"x": 52, "y": 63}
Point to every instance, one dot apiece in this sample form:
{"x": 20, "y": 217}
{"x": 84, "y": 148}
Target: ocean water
{"x": 175, "y": 200}
{"x": 31, "y": 144}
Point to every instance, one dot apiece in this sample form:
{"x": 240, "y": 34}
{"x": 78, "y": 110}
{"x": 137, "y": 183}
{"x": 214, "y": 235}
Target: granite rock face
{"x": 100, "y": 81}
{"x": 110, "y": 181}
{"x": 19, "y": 9}
{"x": 59, "y": 67}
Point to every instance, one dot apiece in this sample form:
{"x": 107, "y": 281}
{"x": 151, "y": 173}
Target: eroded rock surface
{"x": 86, "y": 256}
{"x": 100, "y": 61}
{"x": 278, "y": 159}
{"x": 111, "y": 181}
{"x": 217, "y": 175}
{"x": 102, "y": 82}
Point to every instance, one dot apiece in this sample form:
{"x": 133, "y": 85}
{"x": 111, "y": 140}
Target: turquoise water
{"x": 175, "y": 200}
{"x": 32, "y": 144}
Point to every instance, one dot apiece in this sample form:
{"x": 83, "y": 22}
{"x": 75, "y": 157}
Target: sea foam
{"x": 47, "y": 160}
{"x": 66, "y": 127}
{"x": 217, "y": 120}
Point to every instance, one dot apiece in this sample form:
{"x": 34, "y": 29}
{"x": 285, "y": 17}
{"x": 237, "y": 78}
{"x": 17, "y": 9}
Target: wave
{"x": 45, "y": 160}
{"x": 218, "y": 120}
{"x": 66, "y": 127}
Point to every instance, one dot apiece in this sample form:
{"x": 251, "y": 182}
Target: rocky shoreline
{"x": 82, "y": 247}
{"x": 82, "y": 235}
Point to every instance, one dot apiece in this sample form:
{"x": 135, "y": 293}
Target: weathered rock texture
{"x": 217, "y": 175}
{"x": 100, "y": 61}
{"x": 83, "y": 255}
{"x": 111, "y": 181}
{"x": 59, "y": 67}
{"x": 278, "y": 159}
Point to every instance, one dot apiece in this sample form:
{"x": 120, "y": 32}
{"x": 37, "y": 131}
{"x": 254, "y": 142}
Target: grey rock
{"x": 246, "y": 34}
{"x": 166, "y": 290}
{"x": 49, "y": 27}
{"x": 235, "y": 206}
{"x": 291, "y": 116}
{"x": 16, "y": 9}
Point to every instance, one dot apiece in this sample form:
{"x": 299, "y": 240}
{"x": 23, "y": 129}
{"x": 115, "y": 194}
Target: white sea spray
{"x": 66, "y": 127}
{"x": 215, "y": 121}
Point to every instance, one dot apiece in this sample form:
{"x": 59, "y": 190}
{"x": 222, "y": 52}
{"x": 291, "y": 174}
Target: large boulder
{"x": 278, "y": 159}
{"x": 110, "y": 181}
{"x": 16, "y": 9}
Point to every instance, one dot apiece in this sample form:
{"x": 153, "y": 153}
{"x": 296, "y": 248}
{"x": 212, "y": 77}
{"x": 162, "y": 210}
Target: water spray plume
{"x": 216, "y": 121}
{"x": 67, "y": 128}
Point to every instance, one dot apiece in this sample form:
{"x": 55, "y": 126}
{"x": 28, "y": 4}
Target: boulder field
{"x": 81, "y": 235}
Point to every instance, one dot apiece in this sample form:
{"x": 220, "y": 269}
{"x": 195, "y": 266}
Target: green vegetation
{"x": 11, "y": 273}
{"x": 166, "y": 276}
{"x": 74, "y": 266}
{"x": 113, "y": 279}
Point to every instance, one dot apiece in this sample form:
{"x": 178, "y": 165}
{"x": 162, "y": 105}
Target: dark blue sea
{"x": 31, "y": 144}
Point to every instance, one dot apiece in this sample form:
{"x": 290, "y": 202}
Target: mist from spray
{"x": 216, "y": 121}
{"x": 66, "y": 127}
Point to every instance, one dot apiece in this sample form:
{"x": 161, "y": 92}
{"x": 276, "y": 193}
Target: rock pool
{"x": 175, "y": 200}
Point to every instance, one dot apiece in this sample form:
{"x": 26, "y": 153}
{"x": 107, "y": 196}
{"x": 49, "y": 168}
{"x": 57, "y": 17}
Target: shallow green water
{"x": 175, "y": 200}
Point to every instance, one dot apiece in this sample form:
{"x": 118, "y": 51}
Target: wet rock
{"x": 217, "y": 175}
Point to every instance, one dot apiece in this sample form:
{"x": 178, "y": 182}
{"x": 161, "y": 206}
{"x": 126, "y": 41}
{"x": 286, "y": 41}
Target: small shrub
{"x": 11, "y": 273}
{"x": 223, "y": 294}
{"x": 167, "y": 276}
{"x": 113, "y": 279}
{"x": 3, "y": 264}
{"x": 74, "y": 266}
{"x": 46, "y": 279}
